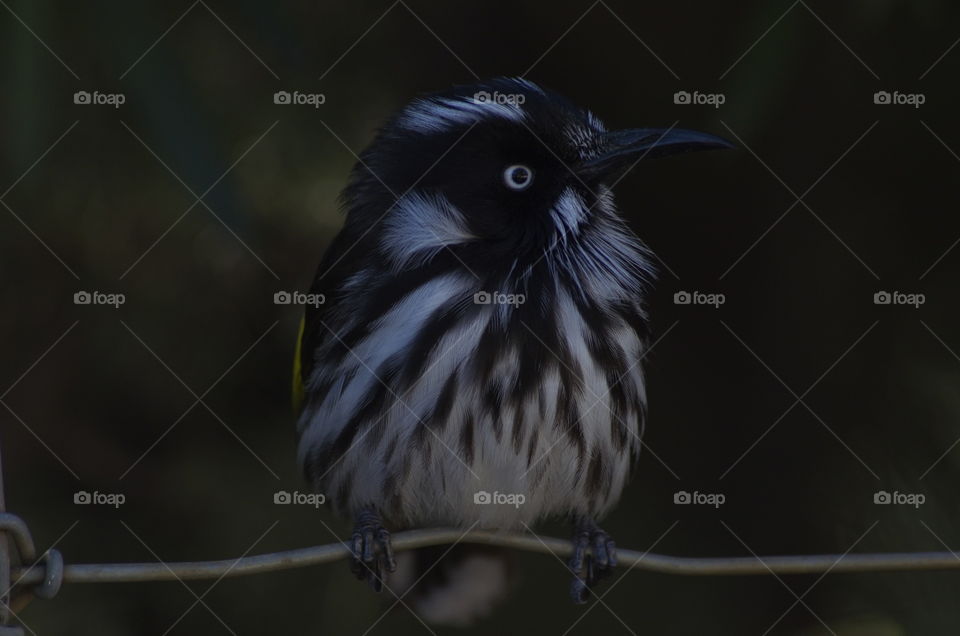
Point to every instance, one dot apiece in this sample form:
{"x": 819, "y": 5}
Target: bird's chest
{"x": 533, "y": 405}
{"x": 546, "y": 431}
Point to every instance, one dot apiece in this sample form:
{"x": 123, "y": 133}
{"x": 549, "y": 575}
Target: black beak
{"x": 622, "y": 148}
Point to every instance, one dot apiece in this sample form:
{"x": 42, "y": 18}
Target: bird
{"x": 476, "y": 360}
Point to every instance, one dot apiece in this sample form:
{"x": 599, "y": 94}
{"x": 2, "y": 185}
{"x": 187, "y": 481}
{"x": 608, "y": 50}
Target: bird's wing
{"x": 342, "y": 258}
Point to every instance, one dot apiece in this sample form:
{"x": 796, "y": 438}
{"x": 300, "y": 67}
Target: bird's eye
{"x": 518, "y": 177}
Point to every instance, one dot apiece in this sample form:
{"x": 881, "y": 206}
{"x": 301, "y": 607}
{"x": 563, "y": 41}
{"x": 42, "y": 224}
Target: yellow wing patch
{"x": 298, "y": 370}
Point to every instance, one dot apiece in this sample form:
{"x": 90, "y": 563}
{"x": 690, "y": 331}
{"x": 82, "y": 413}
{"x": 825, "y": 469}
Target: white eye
{"x": 518, "y": 177}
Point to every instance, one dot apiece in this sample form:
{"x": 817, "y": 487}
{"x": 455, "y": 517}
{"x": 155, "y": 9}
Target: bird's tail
{"x": 454, "y": 587}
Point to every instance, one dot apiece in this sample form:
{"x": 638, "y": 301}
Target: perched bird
{"x": 476, "y": 362}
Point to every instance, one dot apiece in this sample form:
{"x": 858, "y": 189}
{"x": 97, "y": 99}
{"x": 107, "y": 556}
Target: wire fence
{"x": 24, "y": 574}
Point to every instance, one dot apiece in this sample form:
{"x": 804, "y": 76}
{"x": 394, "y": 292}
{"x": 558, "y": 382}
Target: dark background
{"x": 99, "y": 411}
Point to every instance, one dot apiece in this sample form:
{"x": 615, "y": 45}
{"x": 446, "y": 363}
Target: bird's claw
{"x": 594, "y": 557}
{"x": 372, "y": 552}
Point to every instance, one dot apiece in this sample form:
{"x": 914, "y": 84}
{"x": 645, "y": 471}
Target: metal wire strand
{"x": 716, "y": 566}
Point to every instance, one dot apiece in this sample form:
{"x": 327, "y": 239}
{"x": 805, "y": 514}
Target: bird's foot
{"x": 594, "y": 557}
{"x": 372, "y": 554}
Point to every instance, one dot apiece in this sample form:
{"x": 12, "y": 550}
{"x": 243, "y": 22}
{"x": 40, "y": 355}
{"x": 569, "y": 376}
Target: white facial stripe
{"x": 568, "y": 213}
{"x": 420, "y": 226}
{"x": 440, "y": 115}
{"x": 612, "y": 262}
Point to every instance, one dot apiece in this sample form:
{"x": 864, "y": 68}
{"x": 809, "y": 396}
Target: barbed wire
{"x": 316, "y": 555}
{"x": 23, "y": 572}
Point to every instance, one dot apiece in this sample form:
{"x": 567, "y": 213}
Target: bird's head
{"x": 502, "y": 164}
